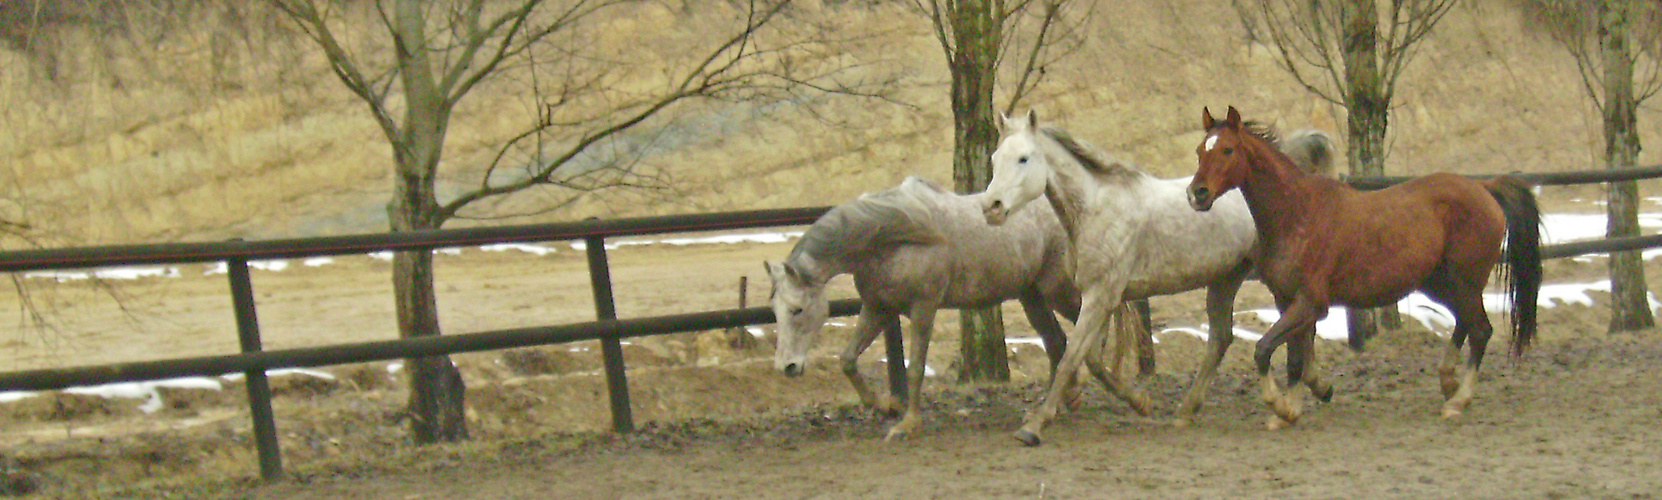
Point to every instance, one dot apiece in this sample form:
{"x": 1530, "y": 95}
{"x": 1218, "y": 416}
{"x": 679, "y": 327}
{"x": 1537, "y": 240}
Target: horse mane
{"x": 1310, "y": 150}
{"x": 1262, "y": 130}
{"x": 1092, "y": 159}
{"x": 895, "y": 216}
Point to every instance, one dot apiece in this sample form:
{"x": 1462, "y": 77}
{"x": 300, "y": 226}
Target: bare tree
{"x": 978, "y": 37}
{"x": 433, "y": 54}
{"x": 1351, "y": 53}
{"x": 1617, "y": 45}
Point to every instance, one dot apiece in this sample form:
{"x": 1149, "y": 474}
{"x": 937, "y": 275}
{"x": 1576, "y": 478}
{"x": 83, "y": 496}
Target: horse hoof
{"x": 1451, "y": 413}
{"x": 1326, "y": 396}
{"x": 1027, "y": 438}
{"x": 894, "y": 435}
{"x": 1182, "y": 423}
{"x": 1075, "y": 401}
{"x": 1276, "y": 423}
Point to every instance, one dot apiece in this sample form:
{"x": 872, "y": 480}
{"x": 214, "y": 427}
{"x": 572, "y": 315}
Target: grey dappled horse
{"x": 1132, "y": 236}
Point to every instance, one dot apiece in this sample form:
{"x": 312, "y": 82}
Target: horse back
{"x": 974, "y": 264}
{"x": 1380, "y": 245}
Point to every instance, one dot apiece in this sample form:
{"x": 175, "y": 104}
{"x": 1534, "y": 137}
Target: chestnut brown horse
{"x": 1323, "y": 243}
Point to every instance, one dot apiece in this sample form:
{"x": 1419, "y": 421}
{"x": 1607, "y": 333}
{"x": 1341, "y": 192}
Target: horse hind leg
{"x": 1471, "y": 324}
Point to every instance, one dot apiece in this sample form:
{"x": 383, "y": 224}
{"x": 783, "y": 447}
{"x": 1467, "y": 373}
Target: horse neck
{"x": 817, "y": 270}
{"x": 1066, "y": 188}
{"x": 1277, "y": 193}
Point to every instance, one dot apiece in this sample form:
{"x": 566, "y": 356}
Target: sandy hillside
{"x": 286, "y": 152}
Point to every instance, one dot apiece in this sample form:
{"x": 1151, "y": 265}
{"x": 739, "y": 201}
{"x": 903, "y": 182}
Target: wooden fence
{"x": 254, "y": 361}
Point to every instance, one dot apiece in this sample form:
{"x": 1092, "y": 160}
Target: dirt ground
{"x": 1575, "y": 418}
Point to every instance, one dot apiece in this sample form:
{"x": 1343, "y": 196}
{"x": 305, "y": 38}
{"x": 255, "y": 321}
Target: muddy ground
{"x": 1577, "y": 417}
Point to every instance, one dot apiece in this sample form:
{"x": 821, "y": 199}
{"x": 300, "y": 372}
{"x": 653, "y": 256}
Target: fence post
{"x": 259, "y": 389}
{"x": 611, "y": 348}
{"x": 896, "y": 353}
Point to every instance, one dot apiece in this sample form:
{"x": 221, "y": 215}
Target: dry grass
{"x": 168, "y": 156}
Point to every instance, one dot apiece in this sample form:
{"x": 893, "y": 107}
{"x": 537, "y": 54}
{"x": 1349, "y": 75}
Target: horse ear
{"x": 1234, "y": 117}
{"x": 1206, "y": 121}
{"x": 768, "y": 266}
{"x": 794, "y": 275}
{"x": 1003, "y": 122}
{"x": 1032, "y": 119}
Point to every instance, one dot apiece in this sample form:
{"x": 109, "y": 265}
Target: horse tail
{"x": 1522, "y": 256}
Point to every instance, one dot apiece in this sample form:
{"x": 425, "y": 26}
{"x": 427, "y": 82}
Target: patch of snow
{"x": 538, "y": 250}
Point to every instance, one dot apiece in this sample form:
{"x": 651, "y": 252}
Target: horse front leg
{"x": 1297, "y": 320}
{"x": 1087, "y": 339}
{"x": 1302, "y": 352}
{"x": 1220, "y": 317}
{"x": 923, "y": 321}
{"x": 1040, "y": 316}
{"x": 866, "y": 329}
{"x": 1124, "y": 335}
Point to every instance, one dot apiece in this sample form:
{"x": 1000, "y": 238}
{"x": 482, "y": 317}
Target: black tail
{"x": 1522, "y": 256}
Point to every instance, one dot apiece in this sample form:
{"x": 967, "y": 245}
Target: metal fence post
{"x": 259, "y": 389}
{"x": 896, "y": 353}
{"x": 611, "y": 348}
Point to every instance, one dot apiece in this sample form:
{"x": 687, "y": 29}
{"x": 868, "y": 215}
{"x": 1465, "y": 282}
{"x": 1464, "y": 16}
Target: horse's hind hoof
{"x": 1325, "y": 396}
{"x": 1028, "y": 438}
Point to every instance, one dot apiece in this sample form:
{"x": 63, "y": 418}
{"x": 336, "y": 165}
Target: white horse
{"x": 1132, "y": 236}
{"x": 913, "y": 249}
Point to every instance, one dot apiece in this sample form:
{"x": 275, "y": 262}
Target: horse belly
{"x": 983, "y": 289}
{"x": 1376, "y": 280}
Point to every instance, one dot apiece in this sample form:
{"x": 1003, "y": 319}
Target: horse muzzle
{"x": 996, "y": 213}
{"x": 1200, "y": 199}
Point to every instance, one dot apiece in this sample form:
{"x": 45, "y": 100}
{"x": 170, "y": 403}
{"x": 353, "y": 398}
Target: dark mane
{"x": 1258, "y": 129}
{"x": 1261, "y": 130}
{"x": 1089, "y": 157}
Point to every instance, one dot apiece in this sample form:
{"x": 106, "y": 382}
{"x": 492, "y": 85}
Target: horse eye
{"x": 1022, "y": 160}
{"x": 795, "y": 311}
{"x": 1228, "y": 151}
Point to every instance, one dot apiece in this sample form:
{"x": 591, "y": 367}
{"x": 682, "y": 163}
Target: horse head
{"x": 1223, "y": 163}
{"x": 1020, "y": 170}
{"x": 799, "y": 311}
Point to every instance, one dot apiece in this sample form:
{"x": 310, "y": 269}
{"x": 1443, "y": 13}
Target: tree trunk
{"x": 436, "y": 388}
{"x": 976, "y": 33}
{"x": 1630, "y": 309}
{"x": 1369, "y": 115}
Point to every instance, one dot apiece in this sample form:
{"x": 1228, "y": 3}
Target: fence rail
{"x": 1539, "y": 179}
{"x": 336, "y": 354}
{"x": 182, "y": 253}
{"x": 253, "y": 361}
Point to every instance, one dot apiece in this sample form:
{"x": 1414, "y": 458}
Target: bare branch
{"x": 938, "y": 21}
{"x": 314, "y": 24}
